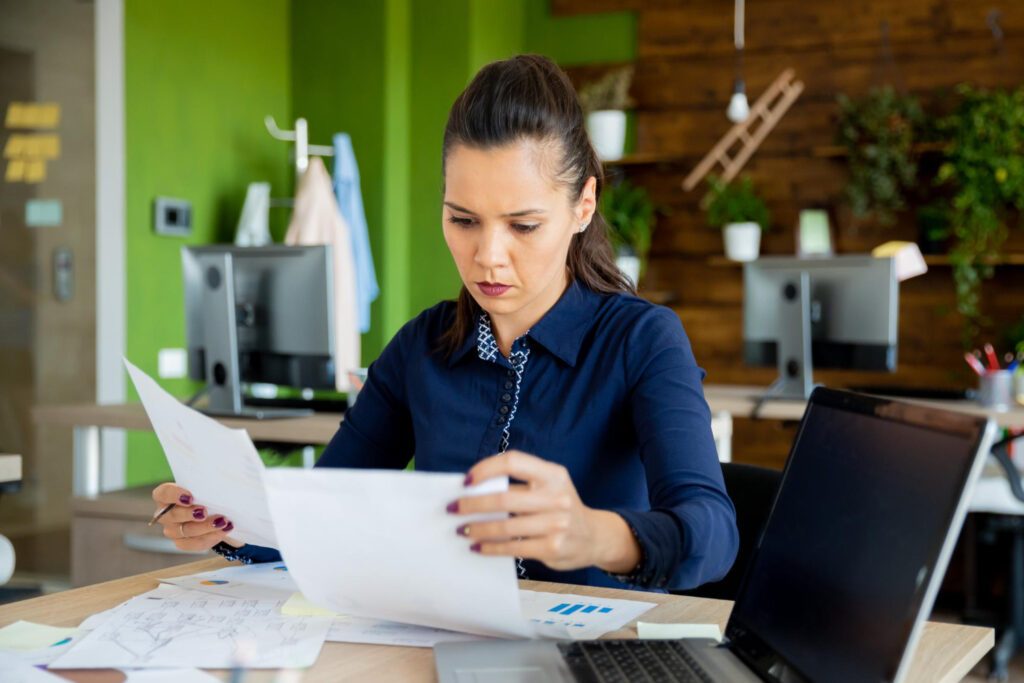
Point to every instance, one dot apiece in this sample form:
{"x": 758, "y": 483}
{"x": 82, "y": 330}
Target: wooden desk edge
{"x": 49, "y": 609}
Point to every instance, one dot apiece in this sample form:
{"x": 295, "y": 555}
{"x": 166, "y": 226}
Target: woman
{"x": 547, "y": 369}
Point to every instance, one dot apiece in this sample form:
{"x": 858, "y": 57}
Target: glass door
{"x": 47, "y": 260}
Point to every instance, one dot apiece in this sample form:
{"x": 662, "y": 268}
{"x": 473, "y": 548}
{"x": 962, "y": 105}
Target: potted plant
{"x": 604, "y": 102}
{"x": 878, "y": 132}
{"x": 740, "y": 213}
{"x": 984, "y": 164}
{"x": 629, "y": 212}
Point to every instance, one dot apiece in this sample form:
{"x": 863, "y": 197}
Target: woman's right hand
{"x": 191, "y": 527}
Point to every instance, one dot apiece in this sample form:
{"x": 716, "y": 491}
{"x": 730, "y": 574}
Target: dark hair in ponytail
{"x": 528, "y": 97}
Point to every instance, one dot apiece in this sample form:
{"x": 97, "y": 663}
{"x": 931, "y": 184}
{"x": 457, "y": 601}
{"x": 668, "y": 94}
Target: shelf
{"x": 840, "y": 152}
{"x": 936, "y": 260}
{"x": 647, "y": 158}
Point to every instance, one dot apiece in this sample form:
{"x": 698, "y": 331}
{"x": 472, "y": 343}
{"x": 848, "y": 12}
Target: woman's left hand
{"x": 549, "y": 522}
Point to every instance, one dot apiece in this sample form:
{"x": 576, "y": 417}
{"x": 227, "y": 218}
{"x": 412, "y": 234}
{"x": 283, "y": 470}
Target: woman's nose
{"x": 492, "y": 251}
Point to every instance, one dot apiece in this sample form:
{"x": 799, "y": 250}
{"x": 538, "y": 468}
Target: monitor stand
{"x": 793, "y": 353}
{"x": 220, "y": 330}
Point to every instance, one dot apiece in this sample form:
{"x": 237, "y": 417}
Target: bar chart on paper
{"x": 579, "y": 617}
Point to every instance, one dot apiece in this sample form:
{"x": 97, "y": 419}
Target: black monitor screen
{"x": 849, "y": 550}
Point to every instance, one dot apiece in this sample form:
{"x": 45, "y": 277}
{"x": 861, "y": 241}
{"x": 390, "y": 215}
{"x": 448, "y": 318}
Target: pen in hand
{"x": 160, "y": 513}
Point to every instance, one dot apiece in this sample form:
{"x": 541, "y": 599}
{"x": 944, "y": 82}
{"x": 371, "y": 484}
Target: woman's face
{"x": 509, "y": 224}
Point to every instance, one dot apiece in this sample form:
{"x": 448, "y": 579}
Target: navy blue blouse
{"x": 606, "y": 385}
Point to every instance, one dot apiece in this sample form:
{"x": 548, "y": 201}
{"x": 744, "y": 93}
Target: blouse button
{"x": 506, "y": 397}
{"x": 502, "y": 420}
{"x": 509, "y": 385}
{"x": 503, "y": 410}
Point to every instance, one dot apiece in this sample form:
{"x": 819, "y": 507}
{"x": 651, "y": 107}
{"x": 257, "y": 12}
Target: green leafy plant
{"x": 878, "y": 132}
{"x": 985, "y": 166}
{"x": 611, "y": 91}
{"x": 629, "y": 212}
{"x": 734, "y": 203}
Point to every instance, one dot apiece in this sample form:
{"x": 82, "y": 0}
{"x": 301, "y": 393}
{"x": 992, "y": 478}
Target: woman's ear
{"x": 587, "y": 204}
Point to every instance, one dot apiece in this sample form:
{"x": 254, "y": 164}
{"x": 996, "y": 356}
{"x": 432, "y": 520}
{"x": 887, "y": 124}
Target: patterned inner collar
{"x": 487, "y": 345}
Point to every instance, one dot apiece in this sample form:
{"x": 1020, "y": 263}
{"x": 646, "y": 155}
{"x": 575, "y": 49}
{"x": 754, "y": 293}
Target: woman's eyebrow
{"x": 524, "y": 212}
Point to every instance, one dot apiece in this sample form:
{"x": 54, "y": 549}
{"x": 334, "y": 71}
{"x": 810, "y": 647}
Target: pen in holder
{"x": 995, "y": 389}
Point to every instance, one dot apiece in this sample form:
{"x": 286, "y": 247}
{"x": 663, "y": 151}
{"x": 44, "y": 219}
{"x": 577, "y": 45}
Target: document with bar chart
{"x": 578, "y": 617}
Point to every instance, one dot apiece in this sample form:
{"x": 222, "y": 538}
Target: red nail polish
{"x": 229, "y": 527}
{"x": 463, "y": 530}
{"x": 185, "y": 500}
{"x": 219, "y": 522}
{"x": 453, "y": 507}
{"x": 198, "y": 513}
{"x": 475, "y": 547}
{"x": 468, "y": 480}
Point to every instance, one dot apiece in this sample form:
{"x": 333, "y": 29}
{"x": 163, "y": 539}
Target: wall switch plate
{"x": 63, "y": 274}
{"x": 172, "y": 217}
{"x": 172, "y": 363}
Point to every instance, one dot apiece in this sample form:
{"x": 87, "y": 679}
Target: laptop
{"x": 841, "y": 580}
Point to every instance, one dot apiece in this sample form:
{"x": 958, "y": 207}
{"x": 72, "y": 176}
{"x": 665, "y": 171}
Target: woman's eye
{"x": 458, "y": 220}
{"x": 525, "y": 227}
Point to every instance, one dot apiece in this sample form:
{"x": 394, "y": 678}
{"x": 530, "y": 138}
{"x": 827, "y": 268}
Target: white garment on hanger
{"x": 317, "y": 220}
{"x": 254, "y": 223}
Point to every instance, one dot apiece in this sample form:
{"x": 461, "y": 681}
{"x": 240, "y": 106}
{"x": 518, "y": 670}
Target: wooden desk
{"x": 87, "y": 419}
{"x": 946, "y": 652}
{"x": 739, "y": 401}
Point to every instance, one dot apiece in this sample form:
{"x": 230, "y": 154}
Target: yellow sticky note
{"x": 15, "y": 172}
{"x": 15, "y": 147}
{"x": 47, "y": 115}
{"x": 47, "y": 146}
{"x": 25, "y": 636}
{"x": 299, "y": 606}
{"x": 35, "y": 171}
{"x": 15, "y": 115}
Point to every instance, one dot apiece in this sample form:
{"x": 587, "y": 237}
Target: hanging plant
{"x": 985, "y": 166}
{"x": 878, "y": 132}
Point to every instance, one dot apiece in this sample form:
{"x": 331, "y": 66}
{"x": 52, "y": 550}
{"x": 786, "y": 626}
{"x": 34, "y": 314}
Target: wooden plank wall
{"x": 684, "y": 77}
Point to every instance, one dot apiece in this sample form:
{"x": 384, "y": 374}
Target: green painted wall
{"x": 199, "y": 78}
{"x": 386, "y": 72}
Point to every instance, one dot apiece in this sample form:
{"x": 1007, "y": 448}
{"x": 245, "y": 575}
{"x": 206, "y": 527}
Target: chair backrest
{"x": 752, "y": 490}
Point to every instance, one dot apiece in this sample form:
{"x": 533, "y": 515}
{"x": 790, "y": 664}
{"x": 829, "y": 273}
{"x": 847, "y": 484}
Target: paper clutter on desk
{"x": 650, "y": 631}
{"x": 907, "y": 255}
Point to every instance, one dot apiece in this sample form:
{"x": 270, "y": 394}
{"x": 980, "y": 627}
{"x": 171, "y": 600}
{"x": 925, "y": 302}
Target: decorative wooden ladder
{"x": 770, "y": 107}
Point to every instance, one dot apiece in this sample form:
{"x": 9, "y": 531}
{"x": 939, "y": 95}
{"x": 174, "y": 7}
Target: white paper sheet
{"x": 13, "y": 669}
{"x": 381, "y": 632}
{"x": 218, "y": 465}
{"x": 168, "y": 676}
{"x": 651, "y": 631}
{"x": 198, "y": 630}
{"x": 267, "y": 581}
{"x": 380, "y": 545}
{"x": 579, "y": 617}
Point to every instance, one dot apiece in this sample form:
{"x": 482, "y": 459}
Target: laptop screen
{"x": 868, "y": 495}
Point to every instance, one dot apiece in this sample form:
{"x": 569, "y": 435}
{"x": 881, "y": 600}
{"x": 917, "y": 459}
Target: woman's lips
{"x": 493, "y": 288}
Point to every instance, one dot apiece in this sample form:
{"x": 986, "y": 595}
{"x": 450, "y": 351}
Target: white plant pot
{"x": 630, "y": 267}
{"x": 742, "y": 241}
{"x": 607, "y": 130}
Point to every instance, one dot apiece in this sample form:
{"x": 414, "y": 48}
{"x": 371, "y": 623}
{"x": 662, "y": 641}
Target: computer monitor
{"x": 258, "y": 314}
{"x": 837, "y": 312}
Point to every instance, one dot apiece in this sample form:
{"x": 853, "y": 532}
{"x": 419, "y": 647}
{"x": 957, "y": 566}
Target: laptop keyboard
{"x": 612, "y": 661}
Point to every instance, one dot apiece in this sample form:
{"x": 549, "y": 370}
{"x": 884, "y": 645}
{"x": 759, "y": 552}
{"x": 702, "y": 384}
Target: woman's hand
{"x": 190, "y": 526}
{"x": 549, "y": 522}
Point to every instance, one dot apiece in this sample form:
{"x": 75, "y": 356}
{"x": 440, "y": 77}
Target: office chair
{"x": 752, "y": 490}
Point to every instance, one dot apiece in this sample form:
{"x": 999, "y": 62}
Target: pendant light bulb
{"x": 739, "y": 108}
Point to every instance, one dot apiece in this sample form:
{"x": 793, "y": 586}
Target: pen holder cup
{"x": 995, "y": 390}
